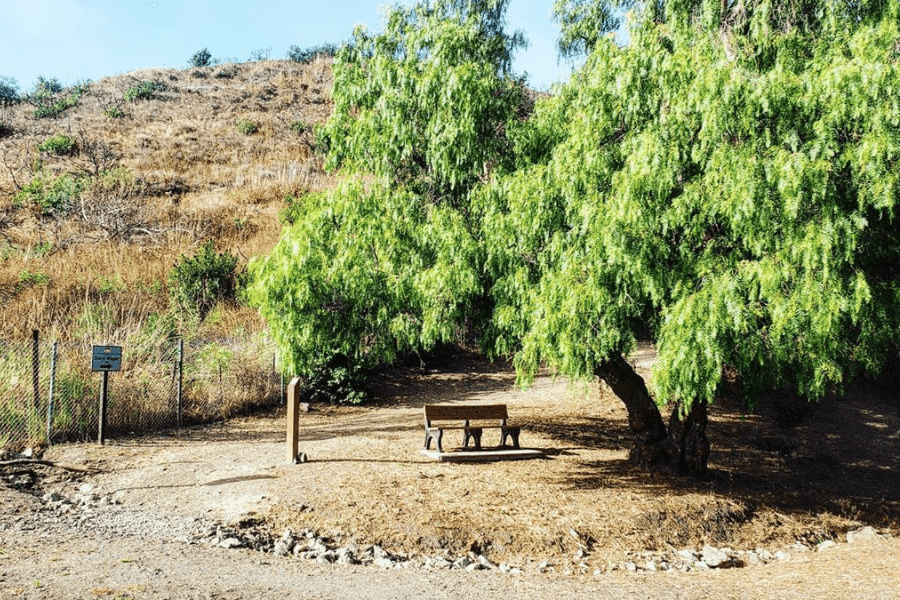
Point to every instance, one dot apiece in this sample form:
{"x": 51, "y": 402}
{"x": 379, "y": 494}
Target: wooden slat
{"x": 457, "y": 412}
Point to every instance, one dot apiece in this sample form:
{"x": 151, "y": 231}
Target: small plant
{"x": 261, "y": 54}
{"x": 110, "y": 284}
{"x": 9, "y": 90}
{"x": 145, "y": 90}
{"x": 27, "y": 278}
{"x": 298, "y": 127}
{"x": 247, "y": 127}
{"x": 201, "y": 58}
{"x": 58, "y": 145}
{"x": 113, "y": 112}
{"x": 197, "y": 283}
{"x": 309, "y": 54}
{"x": 52, "y": 195}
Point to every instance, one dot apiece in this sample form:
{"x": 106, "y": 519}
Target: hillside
{"x": 190, "y": 156}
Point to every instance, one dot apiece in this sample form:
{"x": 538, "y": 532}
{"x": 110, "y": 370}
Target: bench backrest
{"x": 464, "y": 412}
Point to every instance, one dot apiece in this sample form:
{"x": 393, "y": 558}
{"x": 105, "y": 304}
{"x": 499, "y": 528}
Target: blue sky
{"x": 90, "y": 39}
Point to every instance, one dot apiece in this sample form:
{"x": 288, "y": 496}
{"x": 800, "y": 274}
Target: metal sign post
{"x": 105, "y": 359}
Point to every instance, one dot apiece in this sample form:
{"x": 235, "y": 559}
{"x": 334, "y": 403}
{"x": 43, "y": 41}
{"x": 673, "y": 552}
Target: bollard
{"x": 293, "y": 420}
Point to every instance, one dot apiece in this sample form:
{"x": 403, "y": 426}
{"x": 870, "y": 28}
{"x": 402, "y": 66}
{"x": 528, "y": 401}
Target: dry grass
{"x": 196, "y": 177}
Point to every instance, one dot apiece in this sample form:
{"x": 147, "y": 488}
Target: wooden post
{"x": 293, "y": 420}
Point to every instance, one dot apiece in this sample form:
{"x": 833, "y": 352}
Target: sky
{"x": 89, "y": 39}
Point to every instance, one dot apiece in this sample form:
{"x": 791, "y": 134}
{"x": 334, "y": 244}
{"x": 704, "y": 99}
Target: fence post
{"x": 180, "y": 378}
{"x": 51, "y": 393}
{"x": 35, "y": 372}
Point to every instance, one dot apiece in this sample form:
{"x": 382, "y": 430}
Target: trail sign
{"x": 106, "y": 358}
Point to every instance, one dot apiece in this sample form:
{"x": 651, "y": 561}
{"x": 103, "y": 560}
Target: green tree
{"x": 389, "y": 261}
{"x": 582, "y": 23}
{"x": 726, "y": 186}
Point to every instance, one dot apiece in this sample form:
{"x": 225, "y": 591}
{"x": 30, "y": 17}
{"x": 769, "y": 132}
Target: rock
{"x": 630, "y": 566}
{"x": 230, "y": 542}
{"x": 475, "y": 567}
{"x": 282, "y": 548}
{"x": 713, "y": 557}
{"x": 52, "y": 497}
{"x": 825, "y": 545}
{"x": 782, "y": 555}
{"x": 515, "y": 571}
{"x": 345, "y": 557}
{"x": 689, "y": 555}
{"x": 484, "y": 562}
{"x": 383, "y": 563}
{"x": 85, "y": 488}
{"x": 863, "y": 533}
{"x": 439, "y": 562}
{"x": 578, "y": 555}
{"x": 650, "y": 566}
{"x": 28, "y": 453}
{"x": 461, "y": 563}
{"x": 542, "y": 567}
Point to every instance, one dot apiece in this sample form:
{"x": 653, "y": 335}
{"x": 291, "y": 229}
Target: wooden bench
{"x": 468, "y": 413}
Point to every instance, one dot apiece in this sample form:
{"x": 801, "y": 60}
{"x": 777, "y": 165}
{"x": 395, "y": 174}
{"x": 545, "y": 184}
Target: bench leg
{"x": 473, "y": 433}
{"x": 431, "y": 435}
{"x": 512, "y": 432}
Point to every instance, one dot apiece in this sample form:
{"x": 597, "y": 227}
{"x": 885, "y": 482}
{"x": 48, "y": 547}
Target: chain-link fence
{"x": 49, "y": 394}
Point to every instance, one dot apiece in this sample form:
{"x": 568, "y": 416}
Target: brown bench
{"x": 468, "y": 413}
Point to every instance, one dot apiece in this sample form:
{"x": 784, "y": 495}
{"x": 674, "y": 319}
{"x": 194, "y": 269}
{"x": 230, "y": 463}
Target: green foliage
{"x": 246, "y": 127}
{"x": 197, "y": 283}
{"x": 145, "y": 90}
{"x": 27, "y": 278}
{"x": 9, "y": 90}
{"x": 732, "y": 193}
{"x": 293, "y": 207}
{"x": 201, "y": 58}
{"x": 298, "y": 127}
{"x": 310, "y": 53}
{"x": 58, "y": 145}
{"x": 113, "y": 112}
{"x": 582, "y": 23}
{"x": 50, "y": 98}
{"x": 53, "y": 195}
{"x": 389, "y": 261}
{"x": 107, "y": 284}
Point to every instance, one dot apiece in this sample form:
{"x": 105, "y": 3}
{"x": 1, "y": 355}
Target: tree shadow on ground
{"x": 839, "y": 457}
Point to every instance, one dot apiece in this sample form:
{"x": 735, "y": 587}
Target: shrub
{"x": 59, "y": 145}
{"x": 298, "y": 127}
{"x": 50, "y": 99}
{"x": 261, "y": 54}
{"x": 201, "y": 58}
{"x": 145, "y": 90}
{"x": 197, "y": 283}
{"x": 309, "y": 54}
{"x": 114, "y": 112}
{"x": 9, "y": 90}
{"x": 336, "y": 382}
{"x": 247, "y": 127}
{"x": 52, "y": 195}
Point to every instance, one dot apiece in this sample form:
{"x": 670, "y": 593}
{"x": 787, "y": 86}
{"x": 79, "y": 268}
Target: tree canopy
{"x": 725, "y": 186}
{"x": 390, "y": 261}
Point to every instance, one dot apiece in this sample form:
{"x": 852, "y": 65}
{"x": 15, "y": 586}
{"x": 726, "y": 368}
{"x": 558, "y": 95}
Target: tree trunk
{"x": 683, "y": 449}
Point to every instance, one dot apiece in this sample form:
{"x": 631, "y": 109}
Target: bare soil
{"x": 788, "y": 472}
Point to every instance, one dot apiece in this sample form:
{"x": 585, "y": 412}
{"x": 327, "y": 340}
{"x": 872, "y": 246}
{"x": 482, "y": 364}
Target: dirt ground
{"x": 790, "y": 472}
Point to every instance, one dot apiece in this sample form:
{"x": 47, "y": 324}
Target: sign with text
{"x": 106, "y": 358}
